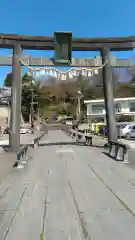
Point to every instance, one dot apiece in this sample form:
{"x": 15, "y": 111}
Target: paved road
{"x": 68, "y": 192}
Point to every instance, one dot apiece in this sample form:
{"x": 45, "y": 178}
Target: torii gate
{"x": 104, "y": 45}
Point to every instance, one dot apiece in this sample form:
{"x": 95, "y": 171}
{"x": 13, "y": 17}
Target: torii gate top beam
{"x": 78, "y": 44}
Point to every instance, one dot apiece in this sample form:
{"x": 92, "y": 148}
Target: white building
{"x": 123, "y": 106}
{"x": 4, "y": 114}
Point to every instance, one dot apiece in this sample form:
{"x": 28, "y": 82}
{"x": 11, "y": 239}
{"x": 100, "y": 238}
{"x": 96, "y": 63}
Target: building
{"x": 5, "y": 99}
{"x": 123, "y": 107}
{"x": 5, "y": 92}
{"x": 4, "y": 114}
{"x": 5, "y": 106}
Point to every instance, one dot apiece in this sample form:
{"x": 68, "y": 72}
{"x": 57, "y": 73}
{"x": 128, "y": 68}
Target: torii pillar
{"x": 14, "y": 139}
{"x": 109, "y": 95}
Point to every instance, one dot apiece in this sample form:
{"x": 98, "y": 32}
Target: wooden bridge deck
{"x": 67, "y": 192}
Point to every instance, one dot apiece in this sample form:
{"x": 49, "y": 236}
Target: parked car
{"x": 23, "y": 130}
{"x": 127, "y": 131}
{"x": 69, "y": 120}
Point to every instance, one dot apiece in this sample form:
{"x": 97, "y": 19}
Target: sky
{"x": 101, "y": 18}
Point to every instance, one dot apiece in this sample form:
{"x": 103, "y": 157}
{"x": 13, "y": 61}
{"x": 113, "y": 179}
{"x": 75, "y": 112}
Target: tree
{"x": 124, "y": 89}
{"x": 132, "y": 82}
{"x": 115, "y": 78}
{"x": 29, "y": 86}
{"x": 25, "y": 78}
{"x": 8, "y": 80}
{"x": 61, "y": 96}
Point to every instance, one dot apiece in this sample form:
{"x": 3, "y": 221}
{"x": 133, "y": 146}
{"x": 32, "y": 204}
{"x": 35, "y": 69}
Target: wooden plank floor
{"x": 58, "y": 196}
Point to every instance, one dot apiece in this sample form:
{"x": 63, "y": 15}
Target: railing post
{"x": 109, "y": 95}
{"x": 14, "y": 139}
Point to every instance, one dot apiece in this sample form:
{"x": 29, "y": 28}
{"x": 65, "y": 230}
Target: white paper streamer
{"x": 63, "y": 77}
{"x": 89, "y": 74}
{"x": 96, "y": 72}
{"x": 51, "y": 72}
{"x": 70, "y": 75}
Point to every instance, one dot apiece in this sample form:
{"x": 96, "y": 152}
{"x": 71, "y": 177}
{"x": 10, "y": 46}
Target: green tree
{"x": 132, "y": 82}
{"x": 124, "y": 89}
{"x": 29, "y": 87}
{"x": 26, "y": 79}
{"x": 8, "y": 80}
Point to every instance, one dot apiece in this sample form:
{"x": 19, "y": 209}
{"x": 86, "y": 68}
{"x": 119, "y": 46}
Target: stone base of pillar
{"x": 14, "y": 142}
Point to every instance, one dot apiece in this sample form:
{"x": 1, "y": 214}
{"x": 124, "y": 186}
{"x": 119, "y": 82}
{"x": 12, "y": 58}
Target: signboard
{"x": 63, "y": 48}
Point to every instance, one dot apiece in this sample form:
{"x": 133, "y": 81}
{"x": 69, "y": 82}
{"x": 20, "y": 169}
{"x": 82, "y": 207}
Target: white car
{"x": 69, "y": 120}
{"x": 23, "y": 131}
{"x": 128, "y": 131}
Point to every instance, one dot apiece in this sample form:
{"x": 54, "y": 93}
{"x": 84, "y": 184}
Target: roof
{"x": 115, "y": 100}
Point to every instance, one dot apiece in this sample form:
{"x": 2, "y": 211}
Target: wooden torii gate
{"x": 104, "y": 45}
{"x": 76, "y": 62}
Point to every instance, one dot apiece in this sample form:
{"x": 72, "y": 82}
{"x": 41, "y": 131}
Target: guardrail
{"x": 37, "y": 139}
{"x": 84, "y": 130}
{"x": 88, "y": 140}
{"x": 21, "y": 154}
{"x": 118, "y": 151}
{"x": 10, "y": 159}
{"x": 79, "y": 136}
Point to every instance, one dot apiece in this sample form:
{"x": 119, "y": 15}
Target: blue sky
{"x": 101, "y": 18}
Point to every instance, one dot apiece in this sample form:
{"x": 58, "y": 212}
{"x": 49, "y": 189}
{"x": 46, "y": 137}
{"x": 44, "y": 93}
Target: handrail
{"x": 78, "y": 135}
{"x": 36, "y": 140}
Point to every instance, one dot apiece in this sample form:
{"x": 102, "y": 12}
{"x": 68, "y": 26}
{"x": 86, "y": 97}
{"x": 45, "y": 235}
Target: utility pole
{"x": 32, "y": 101}
{"x": 79, "y": 96}
{"x": 133, "y": 86}
{"x": 78, "y": 107}
{"x": 38, "y": 106}
{"x": 9, "y": 109}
